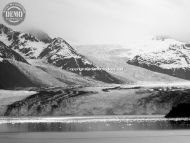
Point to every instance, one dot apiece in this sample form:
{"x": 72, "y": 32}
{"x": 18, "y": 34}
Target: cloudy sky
{"x": 107, "y": 21}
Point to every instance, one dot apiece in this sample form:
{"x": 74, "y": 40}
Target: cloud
{"x": 108, "y": 21}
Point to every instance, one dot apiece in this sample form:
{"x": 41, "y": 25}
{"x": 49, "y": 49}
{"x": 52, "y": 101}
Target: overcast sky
{"x": 107, "y": 21}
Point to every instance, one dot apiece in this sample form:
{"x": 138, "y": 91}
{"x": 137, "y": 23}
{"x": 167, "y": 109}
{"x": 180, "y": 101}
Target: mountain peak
{"x": 59, "y": 48}
{"x": 60, "y": 41}
{"x": 60, "y": 44}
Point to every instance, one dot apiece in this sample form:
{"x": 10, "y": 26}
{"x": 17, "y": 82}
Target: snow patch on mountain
{"x": 150, "y": 46}
{"x": 4, "y": 39}
{"x": 28, "y": 45}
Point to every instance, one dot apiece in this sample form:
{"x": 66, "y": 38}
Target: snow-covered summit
{"x": 59, "y": 48}
{"x": 59, "y": 52}
{"x": 168, "y": 56}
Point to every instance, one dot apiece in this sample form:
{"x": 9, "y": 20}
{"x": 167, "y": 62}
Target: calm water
{"x": 88, "y": 124}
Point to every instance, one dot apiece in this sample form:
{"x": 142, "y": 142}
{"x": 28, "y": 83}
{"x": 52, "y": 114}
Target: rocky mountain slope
{"x": 7, "y": 53}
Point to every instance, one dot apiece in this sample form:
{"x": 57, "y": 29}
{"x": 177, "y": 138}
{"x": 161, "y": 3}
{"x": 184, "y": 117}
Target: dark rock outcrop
{"x": 182, "y": 108}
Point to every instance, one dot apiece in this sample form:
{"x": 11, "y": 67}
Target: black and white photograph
{"x": 94, "y": 71}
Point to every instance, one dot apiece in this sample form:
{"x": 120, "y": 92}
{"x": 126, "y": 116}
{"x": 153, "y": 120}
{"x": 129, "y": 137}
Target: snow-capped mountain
{"x": 61, "y": 54}
{"x": 59, "y": 48}
{"x": 56, "y": 52}
{"x": 163, "y": 55}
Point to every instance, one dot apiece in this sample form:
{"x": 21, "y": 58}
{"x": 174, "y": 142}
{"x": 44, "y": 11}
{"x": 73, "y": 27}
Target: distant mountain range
{"x": 19, "y": 51}
{"x": 160, "y": 59}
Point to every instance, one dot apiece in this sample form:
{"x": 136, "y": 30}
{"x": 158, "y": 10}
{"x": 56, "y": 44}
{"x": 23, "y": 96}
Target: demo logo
{"x": 14, "y": 13}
